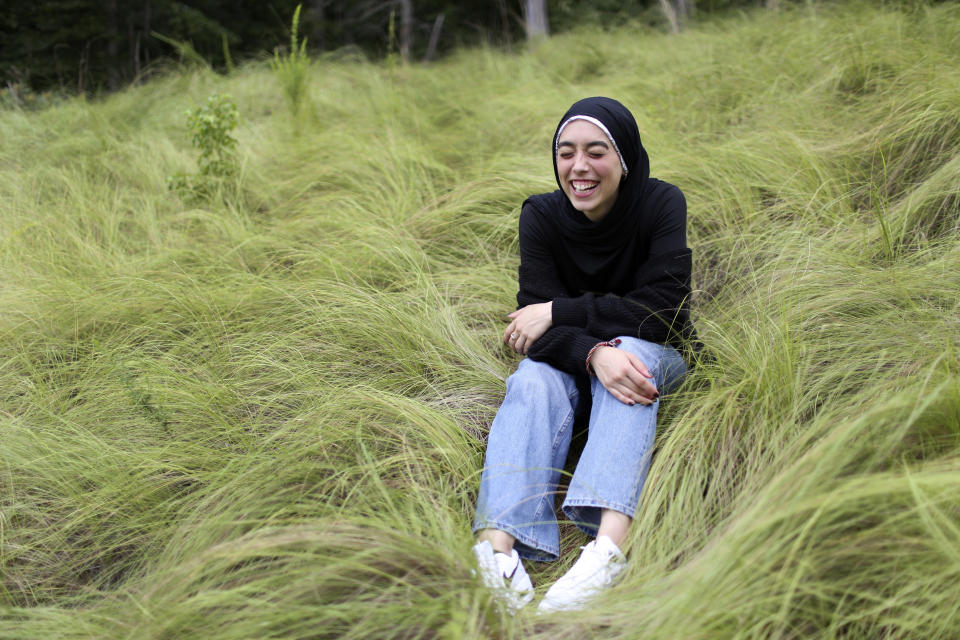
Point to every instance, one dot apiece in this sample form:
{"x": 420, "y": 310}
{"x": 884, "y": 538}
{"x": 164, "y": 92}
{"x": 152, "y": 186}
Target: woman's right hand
{"x": 624, "y": 375}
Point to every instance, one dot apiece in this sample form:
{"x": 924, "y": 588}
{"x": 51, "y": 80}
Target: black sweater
{"x": 642, "y": 291}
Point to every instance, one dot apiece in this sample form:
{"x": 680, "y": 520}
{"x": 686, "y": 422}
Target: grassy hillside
{"x": 258, "y": 411}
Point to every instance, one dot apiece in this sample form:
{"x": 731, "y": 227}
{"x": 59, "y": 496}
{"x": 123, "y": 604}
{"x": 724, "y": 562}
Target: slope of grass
{"x": 262, "y": 413}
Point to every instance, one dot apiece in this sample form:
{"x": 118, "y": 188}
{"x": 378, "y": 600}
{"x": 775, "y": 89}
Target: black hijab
{"x": 591, "y": 246}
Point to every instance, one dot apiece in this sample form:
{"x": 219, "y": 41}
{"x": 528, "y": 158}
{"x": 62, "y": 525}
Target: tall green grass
{"x": 263, "y": 414}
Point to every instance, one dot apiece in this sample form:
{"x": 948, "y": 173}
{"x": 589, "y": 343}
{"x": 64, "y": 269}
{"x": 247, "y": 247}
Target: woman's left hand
{"x": 527, "y": 325}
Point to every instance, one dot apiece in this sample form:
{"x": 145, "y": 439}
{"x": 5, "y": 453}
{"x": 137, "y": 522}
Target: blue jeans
{"x": 528, "y": 445}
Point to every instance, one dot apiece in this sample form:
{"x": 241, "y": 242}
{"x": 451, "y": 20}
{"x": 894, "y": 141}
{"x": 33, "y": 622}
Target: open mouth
{"x": 583, "y": 187}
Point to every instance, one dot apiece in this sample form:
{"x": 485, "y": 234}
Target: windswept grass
{"x": 263, "y": 414}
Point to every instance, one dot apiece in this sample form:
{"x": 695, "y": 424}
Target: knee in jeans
{"x": 657, "y": 359}
{"x": 535, "y": 380}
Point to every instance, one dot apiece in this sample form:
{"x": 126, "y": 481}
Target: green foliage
{"x": 264, "y": 416}
{"x": 208, "y": 128}
{"x": 292, "y": 71}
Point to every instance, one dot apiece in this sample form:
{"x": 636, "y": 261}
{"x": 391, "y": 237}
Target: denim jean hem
{"x": 527, "y": 548}
{"x": 571, "y": 508}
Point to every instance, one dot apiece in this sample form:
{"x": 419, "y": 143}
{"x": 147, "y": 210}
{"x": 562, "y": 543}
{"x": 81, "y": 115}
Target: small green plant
{"x": 208, "y": 128}
{"x": 291, "y": 70}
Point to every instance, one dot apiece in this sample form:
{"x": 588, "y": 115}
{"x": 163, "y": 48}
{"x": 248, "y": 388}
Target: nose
{"x": 580, "y": 162}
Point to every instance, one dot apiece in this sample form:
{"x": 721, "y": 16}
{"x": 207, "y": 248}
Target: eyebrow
{"x": 567, "y": 143}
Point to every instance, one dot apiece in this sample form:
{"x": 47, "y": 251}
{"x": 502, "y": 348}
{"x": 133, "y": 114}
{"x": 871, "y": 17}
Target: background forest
{"x": 79, "y": 45}
{"x": 250, "y": 331}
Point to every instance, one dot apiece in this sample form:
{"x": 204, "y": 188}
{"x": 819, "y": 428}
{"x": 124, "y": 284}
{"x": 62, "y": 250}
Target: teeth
{"x": 583, "y": 186}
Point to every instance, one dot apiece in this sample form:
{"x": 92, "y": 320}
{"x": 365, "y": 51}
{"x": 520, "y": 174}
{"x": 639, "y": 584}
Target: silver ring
{"x": 513, "y": 336}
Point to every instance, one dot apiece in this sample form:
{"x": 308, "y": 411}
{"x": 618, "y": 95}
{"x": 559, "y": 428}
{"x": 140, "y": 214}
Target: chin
{"x": 582, "y": 207}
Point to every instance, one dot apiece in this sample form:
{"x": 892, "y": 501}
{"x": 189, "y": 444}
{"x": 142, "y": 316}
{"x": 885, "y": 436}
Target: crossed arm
{"x": 559, "y": 328}
{"x": 621, "y": 373}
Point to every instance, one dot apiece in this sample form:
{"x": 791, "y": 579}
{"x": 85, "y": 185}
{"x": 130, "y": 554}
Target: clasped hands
{"x": 621, "y": 373}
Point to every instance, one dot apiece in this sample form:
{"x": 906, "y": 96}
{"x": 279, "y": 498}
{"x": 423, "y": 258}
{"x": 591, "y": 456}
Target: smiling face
{"x": 589, "y": 169}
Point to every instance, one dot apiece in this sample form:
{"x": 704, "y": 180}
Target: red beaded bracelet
{"x": 610, "y": 343}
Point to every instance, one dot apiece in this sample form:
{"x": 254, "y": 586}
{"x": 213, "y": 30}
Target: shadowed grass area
{"x": 262, "y": 412}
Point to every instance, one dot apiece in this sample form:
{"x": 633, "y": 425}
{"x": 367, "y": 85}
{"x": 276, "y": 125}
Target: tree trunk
{"x": 146, "y": 29}
{"x": 136, "y": 58}
{"x": 113, "y": 45}
{"x": 504, "y": 20}
{"x": 133, "y": 41}
{"x": 536, "y": 17}
{"x": 434, "y": 38}
{"x": 671, "y": 15}
{"x": 677, "y": 12}
{"x": 406, "y": 28}
{"x": 82, "y": 68}
{"x": 319, "y": 15}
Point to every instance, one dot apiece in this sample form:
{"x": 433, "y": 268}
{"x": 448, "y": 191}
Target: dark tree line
{"x": 91, "y": 46}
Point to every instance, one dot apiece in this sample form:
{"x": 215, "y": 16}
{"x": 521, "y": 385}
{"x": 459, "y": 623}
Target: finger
{"x": 638, "y": 395}
{"x": 635, "y": 398}
{"x": 629, "y": 389}
{"x": 640, "y": 384}
{"x": 526, "y": 345}
{"x": 513, "y": 314}
{"x": 620, "y": 392}
{"x": 638, "y": 364}
{"x": 509, "y": 330}
{"x": 622, "y": 397}
{"x": 520, "y": 344}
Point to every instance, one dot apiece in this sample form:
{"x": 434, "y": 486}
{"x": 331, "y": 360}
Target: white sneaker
{"x": 504, "y": 575}
{"x": 598, "y": 566}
